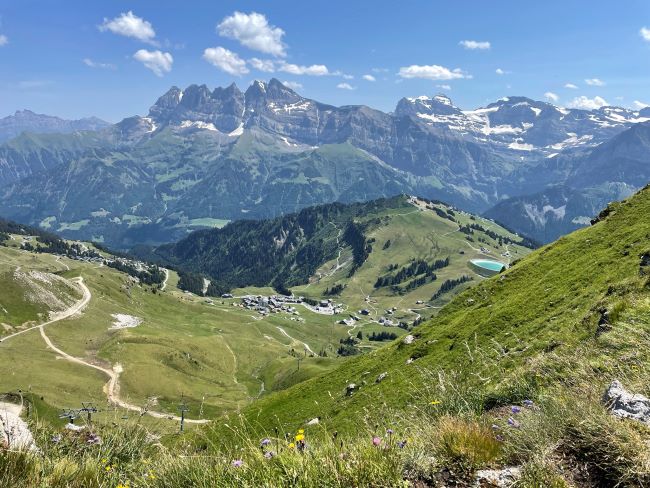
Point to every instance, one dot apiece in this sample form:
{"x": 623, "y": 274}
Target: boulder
{"x": 350, "y": 389}
{"x": 624, "y": 404}
{"x": 409, "y": 339}
{"x": 497, "y": 478}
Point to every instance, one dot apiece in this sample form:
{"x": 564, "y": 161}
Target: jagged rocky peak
{"x": 198, "y": 107}
{"x": 437, "y": 105}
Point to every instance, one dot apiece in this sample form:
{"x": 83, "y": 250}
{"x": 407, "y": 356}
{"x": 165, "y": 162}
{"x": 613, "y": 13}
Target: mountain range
{"x": 202, "y": 157}
{"x": 28, "y": 121}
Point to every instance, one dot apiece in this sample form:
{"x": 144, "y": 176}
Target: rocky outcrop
{"x": 624, "y": 404}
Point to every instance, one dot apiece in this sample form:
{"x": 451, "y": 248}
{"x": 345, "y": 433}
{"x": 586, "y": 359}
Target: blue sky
{"x": 114, "y": 58}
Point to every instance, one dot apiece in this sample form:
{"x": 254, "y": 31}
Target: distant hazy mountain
{"x": 590, "y": 179}
{"x": 201, "y": 157}
{"x": 555, "y": 211}
{"x": 28, "y": 121}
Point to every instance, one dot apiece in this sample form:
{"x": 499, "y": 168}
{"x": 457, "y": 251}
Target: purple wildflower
{"x": 269, "y": 454}
{"x": 528, "y": 403}
{"x": 401, "y": 444}
{"x": 495, "y": 427}
{"x": 513, "y": 423}
{"x": 499, "y": 438}
{"x": 390, "y": 432}
{"x": 265, "y": 442}
{"x": 56, "y": 438}
{"x": 237, "y": 463}
{"x": 515, "y": 409}
{"x": 376, "y": 441}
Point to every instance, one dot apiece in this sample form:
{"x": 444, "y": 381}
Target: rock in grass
{"x": 408, "y": 339}
{"x": 381, "y": 377}
{"x": 497, "y": 477}
{"x": 624, "y": 404}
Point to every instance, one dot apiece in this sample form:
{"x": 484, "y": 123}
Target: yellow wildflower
{"x": 291, "y": 445}
{"x": 435, "y": 402}
{"x": 301, "y": 431}
{"x": 300, "y": 437}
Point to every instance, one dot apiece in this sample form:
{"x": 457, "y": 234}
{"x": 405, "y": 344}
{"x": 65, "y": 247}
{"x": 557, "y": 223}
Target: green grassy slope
{"x": 508, "y": 338}
{"x": 217, "y": 356}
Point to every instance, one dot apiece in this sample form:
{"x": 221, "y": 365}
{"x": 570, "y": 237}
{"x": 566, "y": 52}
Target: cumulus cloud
{"x": 295, "y": 69}
{"x": 253, "y": 31}
{"x": 499, "y": 71}
{"x": 94, "y": 64}
{"x": 294, "y": 85}
{"x": 638, "y": 104}
{"x": 157, "y": 61}
{"x": 594, "y": 82}
{"x": 266, "y": 65}
{"x": 369, "y": 78}
{"x": 225, "y": 60}
{"x": 130, "y": 25}
{"x": 431, "y": 72}
{"x": 588, "y": 103}
{"x": 345, "y": 86}
{"x": 571, "y": 86}
{"x": 645, "y": 33}
{"x": 4, "y": 40}
{"x": 551, "y": 96}
{"x": 482, "y": 45}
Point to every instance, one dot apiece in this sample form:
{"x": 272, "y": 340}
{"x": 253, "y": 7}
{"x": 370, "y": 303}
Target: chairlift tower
{"x": 183, "y": 408}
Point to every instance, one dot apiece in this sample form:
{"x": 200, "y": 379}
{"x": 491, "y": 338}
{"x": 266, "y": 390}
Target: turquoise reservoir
{"x": 491, "y": 267}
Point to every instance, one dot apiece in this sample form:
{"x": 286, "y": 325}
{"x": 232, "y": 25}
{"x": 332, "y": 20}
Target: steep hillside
{"x": 579, "y": 303}
{"x": 401, "y": 253}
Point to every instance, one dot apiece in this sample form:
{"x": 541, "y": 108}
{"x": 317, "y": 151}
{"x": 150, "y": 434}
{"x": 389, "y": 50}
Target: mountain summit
{"x": 203, "y": 156}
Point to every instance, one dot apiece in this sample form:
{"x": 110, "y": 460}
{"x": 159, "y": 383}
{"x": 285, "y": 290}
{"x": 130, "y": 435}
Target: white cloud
{"x": 266, "y": 65}
{"x": 130, "y": 25}
{"x": 475, "y": 44}
{"x": 588, "y": 103}
{"x": 369, "y": 78}
{"x": 4, "y": 40}
{"x": 94, "y": 64}
{"x": 343, "y": 75}
{"x": 594, "y": 82}
{"x": 444, "y": 87}
{"x": 294, "y": 85}
{"x": 645, "y": 33}
{"x": 157, "y": 61}
{"x": 380, "y": 70}
{"x": 640, "y": 105}
{"x": 571, "y": 86}
{"x": 313, "y": 70}
{"x": 499, "y": 71}
{"x": 253, "y": 31}
{"x": 345, "y": 86}
{"x": 431, "y": 72}
{"x": 225, "y": 60}
{"x": 551, "y": 96}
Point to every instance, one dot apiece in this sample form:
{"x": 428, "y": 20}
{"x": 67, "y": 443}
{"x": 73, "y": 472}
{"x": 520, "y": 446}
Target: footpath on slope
{"x": 112, "y": 387}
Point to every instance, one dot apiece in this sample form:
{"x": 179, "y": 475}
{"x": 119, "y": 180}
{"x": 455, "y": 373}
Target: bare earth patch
{"x": 124, "y": 321}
